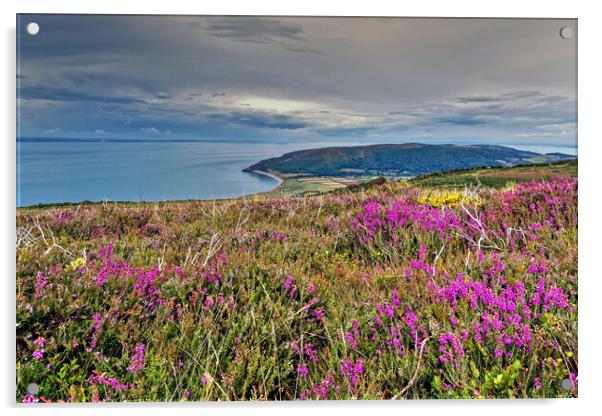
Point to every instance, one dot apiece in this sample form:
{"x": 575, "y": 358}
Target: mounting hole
{"x": 33, "y": 388}
{"x": 33, "y": 28}
{"x": 566, "y": 32}
{"x": 566, "y": 385}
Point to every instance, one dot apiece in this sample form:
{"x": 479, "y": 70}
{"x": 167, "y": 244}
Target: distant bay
{"x": 68, "y": 171}
{"x": 72, "y": 170}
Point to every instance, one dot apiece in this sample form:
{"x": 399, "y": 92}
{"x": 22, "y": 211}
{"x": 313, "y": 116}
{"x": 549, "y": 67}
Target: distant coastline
{"x": 184, "y": 175}
{"x": 279, "y": 180}
{"x": 399, "y": 160}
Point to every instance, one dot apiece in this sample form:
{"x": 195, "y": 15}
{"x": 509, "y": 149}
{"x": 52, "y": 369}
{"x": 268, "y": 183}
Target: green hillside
{"x": 398, "y": 159}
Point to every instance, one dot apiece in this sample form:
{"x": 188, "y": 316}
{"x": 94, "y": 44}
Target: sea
{"x": 71, "y": 170}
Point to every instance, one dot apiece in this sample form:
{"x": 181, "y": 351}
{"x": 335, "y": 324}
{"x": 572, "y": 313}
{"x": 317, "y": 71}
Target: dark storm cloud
{"x": 246, "y": 77}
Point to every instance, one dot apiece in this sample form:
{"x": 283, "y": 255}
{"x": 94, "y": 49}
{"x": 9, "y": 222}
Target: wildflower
{"x": 29, "y": 398}
{"x": 137, "y": 360}
{"x": 95, "y": 396}
{"x": 111, "y": 382}
{"x": 311, "y": 353}
{"x": 77, "y": 263}
{"x": 40, "y": 342}
{"x": 302, "y": 371}
{"x": 350, "y": 339}
{"x": 209, "y": 302}
{"x": 395, "y": 298}
{"x": 573, "y": 378}
{"x": 96, "y": 325}
{"x": 319, "y": 313}
{"x": 40, "y": 283}
{"x": 63, "y": 217}
{"x": 204, "y": 379}
{"x": 278, "y": 236}
{"x": 352, "y": 370}
{"x": 291, "y": 289}
{"x": 38, "y": 354}
{"x": 455, "y": 353}
{"x": 321, "y": 390}
{"x": 180, "y": 273}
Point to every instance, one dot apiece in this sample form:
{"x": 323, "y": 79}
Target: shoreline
{"x": 278, "y": 179}
{"x": 280, "y": 182}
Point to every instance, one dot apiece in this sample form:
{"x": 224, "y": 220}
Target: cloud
{"x": 41, "y": 92}
{"x": 258, "y": 120}
{"x": 461, "y": 121}
{"x": 260, "y": 31}
{"x": 149, "y": 130}
{"x": 237, "y": 77}
{"x": 479, "y": 99}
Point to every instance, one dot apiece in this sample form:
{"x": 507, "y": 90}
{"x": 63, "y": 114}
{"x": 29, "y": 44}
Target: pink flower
{"x": 209, "y": 302}
{"x": 95, "y": 396}
{"x": 573, "y": 378}
{"x": 352, "y": 370}
{"x": 29, "y": 398}
{"x": 39, "y": 285}
{"x": 302, "y": 371}
{"x": 111, "y": 382}
{"x": 137, "y": 360}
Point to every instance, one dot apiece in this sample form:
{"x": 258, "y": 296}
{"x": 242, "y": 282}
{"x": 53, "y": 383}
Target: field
{"x": 294, "y": 185}
{"x": 497, "y": 177}
{"x": 462, "y": 285}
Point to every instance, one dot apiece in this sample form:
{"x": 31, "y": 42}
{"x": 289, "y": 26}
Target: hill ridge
{"x": 403, "y": 159}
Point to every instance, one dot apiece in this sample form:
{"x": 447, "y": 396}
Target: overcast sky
{"x": 278, "y": 78}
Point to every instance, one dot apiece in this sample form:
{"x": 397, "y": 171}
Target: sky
{"x": 297, "y": 78}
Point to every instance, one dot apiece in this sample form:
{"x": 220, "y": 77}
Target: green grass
{"x": 496, "y": 177}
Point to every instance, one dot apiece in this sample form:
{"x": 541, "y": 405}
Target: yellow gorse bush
{"x": 448, "y": 198}
{"x": 75, "y": 264}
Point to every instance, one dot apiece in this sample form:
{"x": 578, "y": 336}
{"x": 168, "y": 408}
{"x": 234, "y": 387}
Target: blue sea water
{"x": 142, "y": 171}
{"x": 50, "y": 171}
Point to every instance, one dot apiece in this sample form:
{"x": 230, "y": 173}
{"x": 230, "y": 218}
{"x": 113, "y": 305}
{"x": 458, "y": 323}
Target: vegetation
{"x": 392, "y": 290}
{"x": 497, "y": 177}
{"x": 399, "y": 160}
{"x": 303, "y": 185}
